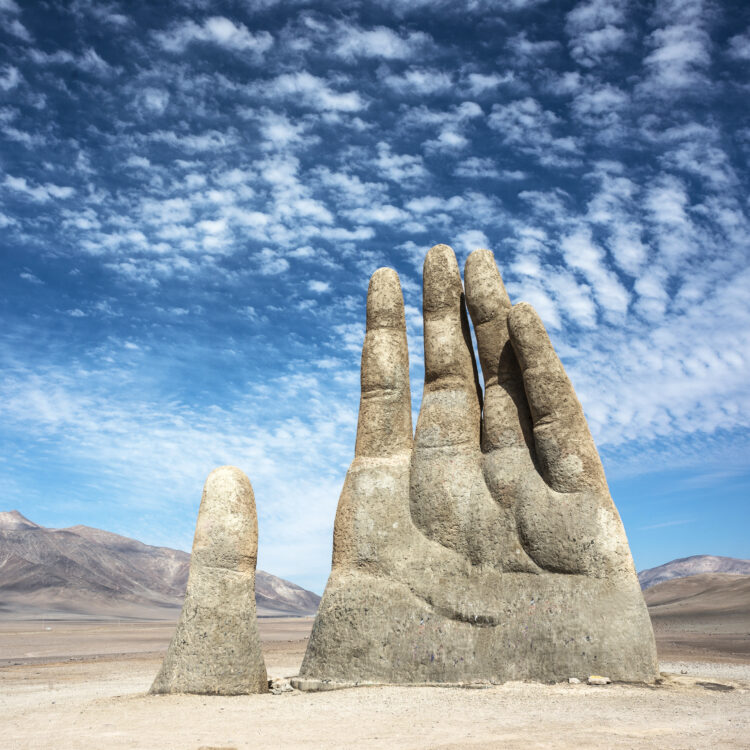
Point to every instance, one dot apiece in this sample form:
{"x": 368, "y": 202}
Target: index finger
{"x": 384, "y": 427}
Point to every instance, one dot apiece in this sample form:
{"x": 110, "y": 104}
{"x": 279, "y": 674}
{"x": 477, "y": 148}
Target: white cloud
{"x": 399, "y": 167}
{"x": 279, "y": 131}
{"x": 103, "y": 12}
{"x": 471, "y": 239}
{"x": 523, "y": 48}
{"x": 475, "y": 167}
{"x": 139, "y": 162}
{"x": 17, "y": 29}
{"x": 667, "y": 201}
{"x": 451, "y": 124}
{"x": 212, "y": 226}
{"x": 596, "y": 30}
{"x": 306, "y": 252}
{"x": 341, "y": 234}
{"x": 7, "y": 221}
{"x": 154, "y": 100}
{"x": 681, "y": 48}
{"x": 428, "y": 204}
{"x": 698, "y": 150}
{"x": 313, "y": 91}
{"x": 306, "y": 207}
{"x": 210, "y": 140}
{"x": 166, "y": 211}
{"x": 550, "y": 206}
{"x": 349, "y": 188}
{"x": 650, "y": 287}
{"x": 524, "y": 123}
{"x": 594, "y": 106}
{"x": 215, "y": 30}
{"x": 680, "y": 55}
{"x": 482, "y": 83}
{"x": 39, "y": 193}
{"x": 464, "y": 8}
{"x": 379, "y": 214}
{"x": 419, "y": 81}
{"x": 9, "y": 77}
{"x": 456, "y": 116}
{"x": 271, "y": 263}
{"x": 583, "y": 255}
{"x": 614, "y": 209}
{"x": 319, "y": 287}
{"x": 21, "y": 136}
{"x": 447, "y": 140}
{"x": 739, "y": 46}
{"x": 381, "y": 42}
{"x": 661, "y": 381}
{"x": 89, "y": 60}
{"x": 531, "y": 291}
{"x": 604, "y": 109}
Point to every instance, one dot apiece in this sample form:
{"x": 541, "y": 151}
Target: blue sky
{"x": 193, "y": 196}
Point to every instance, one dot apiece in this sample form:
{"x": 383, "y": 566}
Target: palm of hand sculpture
{"x": 486, "y": 547}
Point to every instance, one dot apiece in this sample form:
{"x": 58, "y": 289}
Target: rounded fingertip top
{"x": 226, "y": 534}
{"x": 227, "y": 473}
{"x": 481, "y": 254}
{"x": 485, "y": 291}
{"x": 523, "y": 314}
{"x": 527, "y": 332}
{"x": 441, "y": 279}
{"x": 227, "y": 480}
{"x": 385, "y": 301}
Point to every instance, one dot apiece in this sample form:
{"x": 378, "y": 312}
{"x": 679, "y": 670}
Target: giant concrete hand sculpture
{"x": 216, "y": 647}
{"x": 488, "y": 546}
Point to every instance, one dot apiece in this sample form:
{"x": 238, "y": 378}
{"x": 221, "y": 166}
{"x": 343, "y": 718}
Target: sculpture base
{"x": 544, "y": 628}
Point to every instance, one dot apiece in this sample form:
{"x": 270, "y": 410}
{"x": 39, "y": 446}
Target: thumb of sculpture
{"x": 216, "y": 647}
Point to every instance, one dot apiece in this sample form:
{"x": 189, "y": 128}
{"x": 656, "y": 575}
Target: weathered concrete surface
{"x": 488, "y": 548}
{"x": 216, "y": 647}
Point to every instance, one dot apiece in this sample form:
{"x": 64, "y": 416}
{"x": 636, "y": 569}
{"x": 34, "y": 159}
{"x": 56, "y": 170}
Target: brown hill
{"x": 691, "y": 566}
{"x": 703, "y": 617}
{"x": 86, "y": 572}
{"x": 714, "y": 595}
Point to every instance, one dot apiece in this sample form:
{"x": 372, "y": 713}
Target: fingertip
{"x": 226, "y": 533}
{"x": 227, "y": 475}
{"x": 385, "y": 300}
{"x": 480, "y": 255}
{"x": 441, "y": 279}
{"x": 485, "y": 291}
{"x": 521, "y": 312}
{"x": 385, "y": 275}
{"x": 527, "y": 332}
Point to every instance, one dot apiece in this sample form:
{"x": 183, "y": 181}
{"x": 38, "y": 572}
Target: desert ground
{"x": 83, "y": 684}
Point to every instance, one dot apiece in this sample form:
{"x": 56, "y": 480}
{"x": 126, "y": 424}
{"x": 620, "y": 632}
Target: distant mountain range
{"x": 692, "y": 566}
{"x": 85, "y": 572}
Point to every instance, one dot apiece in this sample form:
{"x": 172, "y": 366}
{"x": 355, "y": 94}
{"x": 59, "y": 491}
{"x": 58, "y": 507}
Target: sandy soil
{"x": 49, "y": 640}
{"x": 83, "y": 685}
